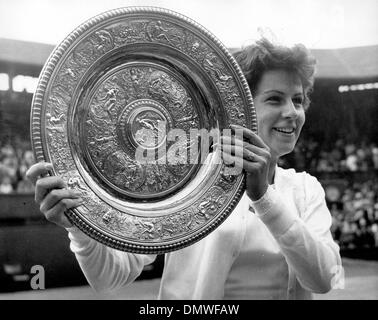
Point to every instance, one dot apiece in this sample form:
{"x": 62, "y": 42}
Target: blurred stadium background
{"x": 339, "y": 145}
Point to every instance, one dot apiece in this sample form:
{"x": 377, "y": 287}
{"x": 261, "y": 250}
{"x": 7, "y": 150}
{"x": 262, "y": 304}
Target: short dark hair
{"x": 263, "y": 56}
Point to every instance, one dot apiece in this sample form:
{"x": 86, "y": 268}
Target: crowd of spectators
{"x": 355, "y": 214}
{"x": 16, "y": 157}
{"x": 312, "y": 156}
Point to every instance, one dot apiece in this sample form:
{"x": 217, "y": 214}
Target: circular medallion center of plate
{"x": 145, "y": 123}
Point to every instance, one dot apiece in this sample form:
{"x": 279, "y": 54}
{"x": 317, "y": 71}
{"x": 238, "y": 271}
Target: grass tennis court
{"x": 361, "y": 283}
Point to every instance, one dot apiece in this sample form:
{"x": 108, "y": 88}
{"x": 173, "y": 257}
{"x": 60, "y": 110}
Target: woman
{"x": 276, "y": 244}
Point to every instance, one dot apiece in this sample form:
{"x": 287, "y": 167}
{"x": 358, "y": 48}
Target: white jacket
{"x": 279, "y": 247}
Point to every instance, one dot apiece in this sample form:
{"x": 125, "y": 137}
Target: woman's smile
{"x": 285, "y": 130}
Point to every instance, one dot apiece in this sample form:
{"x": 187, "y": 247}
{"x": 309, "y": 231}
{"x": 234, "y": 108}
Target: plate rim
{"x": 41, "y": 154}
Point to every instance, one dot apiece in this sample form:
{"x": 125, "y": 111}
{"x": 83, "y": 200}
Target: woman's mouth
{"x": 285, "y": 130}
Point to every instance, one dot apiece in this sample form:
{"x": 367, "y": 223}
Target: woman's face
{"x": 279, "y": 108}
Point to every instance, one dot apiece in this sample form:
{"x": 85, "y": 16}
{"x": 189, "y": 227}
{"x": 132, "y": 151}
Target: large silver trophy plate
{"x": 121, "y": 111}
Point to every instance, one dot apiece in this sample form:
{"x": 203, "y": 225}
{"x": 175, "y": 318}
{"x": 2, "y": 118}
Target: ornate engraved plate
{"x": 128, "y": 86}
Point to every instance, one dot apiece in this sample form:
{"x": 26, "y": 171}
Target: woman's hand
{"x": 52, "y": 195}
{"x": 247, "y": 150}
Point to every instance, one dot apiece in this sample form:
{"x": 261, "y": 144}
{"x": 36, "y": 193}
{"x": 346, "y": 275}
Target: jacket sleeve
{"x": 105, "y": 268}
{"x": 305, "y": 239}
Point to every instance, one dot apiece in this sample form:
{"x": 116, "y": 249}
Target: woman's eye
{"x": 274, "y": 100}
{"x": 298, "y": 101}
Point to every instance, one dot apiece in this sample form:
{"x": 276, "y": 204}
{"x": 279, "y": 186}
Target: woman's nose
{"x": 289, "y": 110}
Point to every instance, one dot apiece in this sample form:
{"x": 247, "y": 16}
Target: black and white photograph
{"x": 202, "y": 150}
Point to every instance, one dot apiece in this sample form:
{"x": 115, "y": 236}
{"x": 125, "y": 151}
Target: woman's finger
{"x": 240, "y": 152}
{"x": 228, "y": 159}
{"x": 38, "y": 170}
{"x": 44, "y": 185}
{"x": 242, "y": 163}
{"x": 56, "y": 214}
{"x": 226, "y": 141}
{"x": 249, "y": 136}
{"x": 56, "y": 195}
